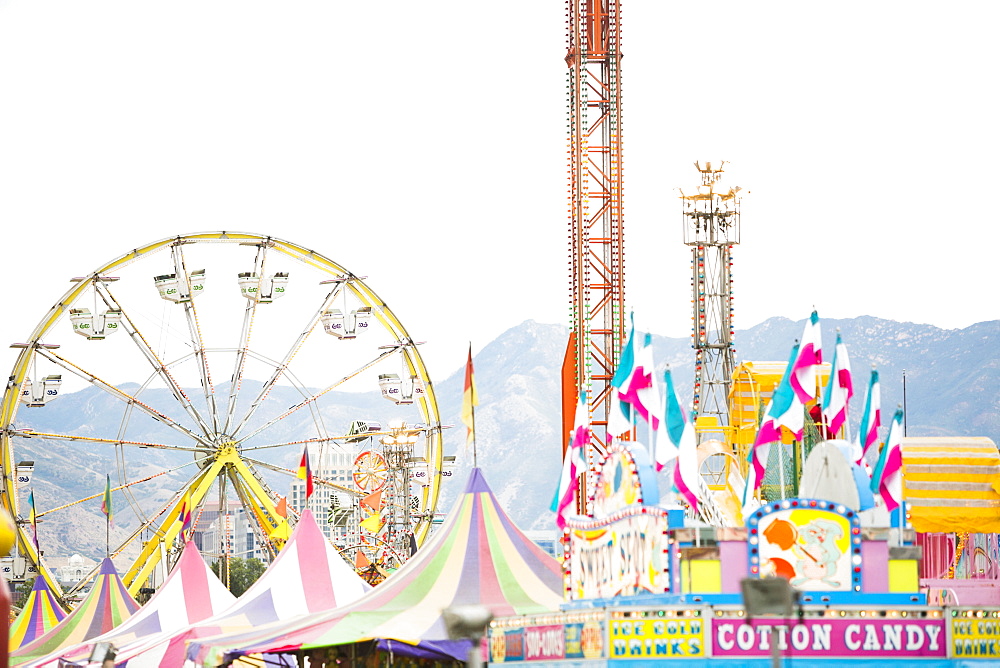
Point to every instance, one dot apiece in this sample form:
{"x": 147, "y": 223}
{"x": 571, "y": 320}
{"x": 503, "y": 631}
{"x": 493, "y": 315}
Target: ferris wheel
{"x": 194, "y": 371}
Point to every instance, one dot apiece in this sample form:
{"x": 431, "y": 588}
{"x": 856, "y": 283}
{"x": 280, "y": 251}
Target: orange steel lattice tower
{"x": 596, "y": 225}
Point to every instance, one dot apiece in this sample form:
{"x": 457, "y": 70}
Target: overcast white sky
{"x": 423, "y": 145}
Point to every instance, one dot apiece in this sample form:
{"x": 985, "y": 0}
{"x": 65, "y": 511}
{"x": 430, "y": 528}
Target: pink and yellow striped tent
{"x": 41, "y": 612}
{"x": 106, "y": 606}
{"x": 477, "y": 557}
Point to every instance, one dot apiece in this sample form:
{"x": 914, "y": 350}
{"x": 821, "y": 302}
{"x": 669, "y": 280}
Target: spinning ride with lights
{"x": 219, "y": 357}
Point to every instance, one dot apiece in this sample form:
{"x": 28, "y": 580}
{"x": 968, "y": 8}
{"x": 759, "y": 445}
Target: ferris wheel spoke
{"x": 316, "y": 479}
{"x": 281, "y": 368}
{"x": 249, "y": 313}
{"x": 113, "y": 489}
{"x": 30, "y": 433}
{"x": 120, "y": 394}
{"x": 314, "y": 397}
{"x": 194, "y": 328}
{"x": 159, "y": 367}
{"x": 304, "y": 441}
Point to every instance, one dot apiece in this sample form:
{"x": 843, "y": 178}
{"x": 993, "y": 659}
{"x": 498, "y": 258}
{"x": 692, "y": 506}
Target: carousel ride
{"x": 192, "y": 374}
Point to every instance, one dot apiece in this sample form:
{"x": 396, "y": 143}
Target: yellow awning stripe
{"x": 952, "y": 484}
{"x": 928, "y": 471}
{"x": 911, "y": 493}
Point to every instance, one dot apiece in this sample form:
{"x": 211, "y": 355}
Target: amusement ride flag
{"x": 372, "y": 523}
{"x": 887, "y": 479}
{"x": 803, "y": 378}
{"x": 469, "y": 402}
{"x": 620, "y": 411}
{"x": 574, "y": 463}
{"x": 373, "y": 501}
{"x": 677, "y": 439}
{"x": 32, "y": 519}
{"x": 839, "y": 389}
{"x": 106, "y": 502}
{"x": 305, "y": 473}
{"x": 784, "y": 410}
{"x": 871, "y": 419}
{"x": 185, "y": 516}
{"x": 640, "y": 391}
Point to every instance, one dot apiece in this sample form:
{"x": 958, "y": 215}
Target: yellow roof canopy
{"x": 952, "y": 484}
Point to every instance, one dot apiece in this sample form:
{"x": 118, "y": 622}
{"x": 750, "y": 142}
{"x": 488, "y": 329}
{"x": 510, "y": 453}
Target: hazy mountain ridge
{"x": 952, "y": 383}
{"x": 952, "y": 388}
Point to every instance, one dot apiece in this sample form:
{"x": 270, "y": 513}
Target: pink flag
{"x": 639, "y": 390}
{"x": 871, "y": 419}
{"x": 839, "y": 389}
{"x": 784, "y": 410}
{"x": 677, "y": 440}
{"x": 573, "y": 464}
{"x": 810, "y": 358}
{"x": 887, "y": 480}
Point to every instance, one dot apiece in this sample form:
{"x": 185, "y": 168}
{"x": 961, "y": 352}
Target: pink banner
{"x": 864, "y": 637}
{"x": 544, "y": 642}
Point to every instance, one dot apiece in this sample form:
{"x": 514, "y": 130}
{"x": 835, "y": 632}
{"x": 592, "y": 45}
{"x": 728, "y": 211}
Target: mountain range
{"x": 952, "y": 387}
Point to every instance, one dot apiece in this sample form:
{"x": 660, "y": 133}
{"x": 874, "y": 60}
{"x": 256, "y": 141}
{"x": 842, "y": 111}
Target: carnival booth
{"x": 643, "y": 583}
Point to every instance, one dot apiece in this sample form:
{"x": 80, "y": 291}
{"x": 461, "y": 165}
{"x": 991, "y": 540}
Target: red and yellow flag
{"x": 185, "y": 516}
{"x": 305, "y": 473}
{"x": 469, "y": 401}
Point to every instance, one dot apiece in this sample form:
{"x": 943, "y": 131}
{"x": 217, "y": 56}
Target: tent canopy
{"x": 952, "y": 484}
{"x": 40, "y": 613}
{"x": 106, "y": 606}
{"x": 478, "y": 556}
{"x": 308, "y": 575}
{"x": 190, "y": 594}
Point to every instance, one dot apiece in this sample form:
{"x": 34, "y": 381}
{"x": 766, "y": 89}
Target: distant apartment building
{"x": 227, "y": 533}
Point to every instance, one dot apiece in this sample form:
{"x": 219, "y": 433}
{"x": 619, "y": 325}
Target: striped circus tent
{"x": 477, "y": 557}
{"x": 41, "y": 611}
{"x": 307, "y": 576}
{"x": 190, "y": 594}
{"x": 952, "y": 484}
{"x": 106, "y": 606}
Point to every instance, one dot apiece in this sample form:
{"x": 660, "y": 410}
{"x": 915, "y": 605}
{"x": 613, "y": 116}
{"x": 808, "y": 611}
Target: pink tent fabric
{"x": 307, "y": 576}
{"x": 190, "y": 594}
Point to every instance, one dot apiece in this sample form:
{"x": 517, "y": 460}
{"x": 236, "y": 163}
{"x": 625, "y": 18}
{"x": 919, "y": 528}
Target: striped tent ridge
{"x": 478, "y": 556}
{"x": 190, "y": 594}
{"x": 952, "y": 484}
{"x": 308, "y": 575}
{"x": 41, "y": 612}
{"x": 106, "y": 606}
